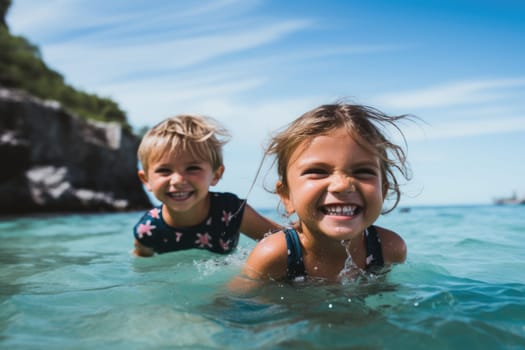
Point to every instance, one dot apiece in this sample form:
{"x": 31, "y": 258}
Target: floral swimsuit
{"x": 218, "y": 233}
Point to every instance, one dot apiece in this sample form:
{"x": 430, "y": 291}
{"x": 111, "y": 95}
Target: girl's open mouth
{"x": 340, "y": 210}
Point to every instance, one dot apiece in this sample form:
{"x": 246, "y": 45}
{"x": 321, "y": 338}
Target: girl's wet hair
{"x": 366, "y": 125}
{"x": 202, "y": 136}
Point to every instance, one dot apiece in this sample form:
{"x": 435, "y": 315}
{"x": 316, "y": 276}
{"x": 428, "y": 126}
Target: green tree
{"x": 4, "y": 6}
{"x": 22, "y": 67}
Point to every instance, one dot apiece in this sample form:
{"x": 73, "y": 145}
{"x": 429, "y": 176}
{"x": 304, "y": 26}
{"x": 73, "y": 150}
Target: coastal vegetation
{"x": 22, "y": 67}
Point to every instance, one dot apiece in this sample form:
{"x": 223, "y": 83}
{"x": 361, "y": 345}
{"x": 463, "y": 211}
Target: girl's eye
{"x": 194, "y": 168}
{"x": 366, "y": 172}
{"x": 315, "y": 172}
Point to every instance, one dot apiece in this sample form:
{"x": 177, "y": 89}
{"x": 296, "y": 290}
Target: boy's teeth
{"x": 180, "y": 195}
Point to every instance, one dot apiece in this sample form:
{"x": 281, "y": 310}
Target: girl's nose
{"x": 341, "y": 183}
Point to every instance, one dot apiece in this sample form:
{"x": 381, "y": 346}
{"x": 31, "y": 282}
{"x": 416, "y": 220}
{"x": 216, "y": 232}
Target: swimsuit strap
{"x": 295, "y": 256}
{"x": 295, "y": 263}
{"x": 374, "y": 253}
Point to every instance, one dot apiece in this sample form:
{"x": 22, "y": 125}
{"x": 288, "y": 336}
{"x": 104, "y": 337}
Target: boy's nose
{"x": 176, "y": 178}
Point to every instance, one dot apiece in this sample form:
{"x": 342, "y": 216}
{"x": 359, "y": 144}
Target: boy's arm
{"x": 142, "y": 250}
{"x": 254, "y": 225}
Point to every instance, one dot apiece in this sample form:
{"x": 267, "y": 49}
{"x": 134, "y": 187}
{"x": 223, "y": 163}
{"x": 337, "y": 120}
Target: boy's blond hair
{"x": 202, "y": 136}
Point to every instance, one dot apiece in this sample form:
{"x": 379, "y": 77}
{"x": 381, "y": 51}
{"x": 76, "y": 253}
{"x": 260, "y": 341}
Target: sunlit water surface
{"x": 70, "y": 281}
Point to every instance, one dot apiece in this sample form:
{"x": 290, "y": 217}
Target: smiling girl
{"x": 335, "y": 169}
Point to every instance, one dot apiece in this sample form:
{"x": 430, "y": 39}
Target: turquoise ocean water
{"x": 70, "y": 282}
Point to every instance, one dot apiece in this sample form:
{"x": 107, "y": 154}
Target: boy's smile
{"x": 179, "y": 196}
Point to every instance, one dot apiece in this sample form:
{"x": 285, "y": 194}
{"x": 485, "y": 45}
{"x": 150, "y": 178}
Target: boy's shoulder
{"x": 154, "y": 213}
{"x": 227, "y": 195}
{"x": 225, "y": 199}
{"x": 227, "y": 208}
{"x": 151, "y": 221}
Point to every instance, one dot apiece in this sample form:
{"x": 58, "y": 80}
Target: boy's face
{"x": 181, "y": 182}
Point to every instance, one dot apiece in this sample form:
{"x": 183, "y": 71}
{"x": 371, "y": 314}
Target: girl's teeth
{"x": 347, "y": 210}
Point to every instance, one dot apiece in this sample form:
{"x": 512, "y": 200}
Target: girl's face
{"x": 334, "y": 186}
{"x": 181, "y": 182}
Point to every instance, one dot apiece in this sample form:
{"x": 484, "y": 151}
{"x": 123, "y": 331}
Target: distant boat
{"x": 514, "y": 199}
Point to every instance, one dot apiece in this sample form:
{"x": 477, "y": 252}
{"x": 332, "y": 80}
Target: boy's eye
{"x": 162, "y": 171}
{"x": 194, "y": 168}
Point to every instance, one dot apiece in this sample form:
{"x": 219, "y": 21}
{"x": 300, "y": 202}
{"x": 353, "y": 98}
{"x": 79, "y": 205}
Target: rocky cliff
{"x": 53, "y": 161}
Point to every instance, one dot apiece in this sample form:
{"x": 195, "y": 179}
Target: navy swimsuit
{"x": 218, "y": 233}
{"x": 374, "y": 254}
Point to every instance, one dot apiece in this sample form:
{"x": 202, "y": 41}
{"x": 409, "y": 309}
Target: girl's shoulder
{"x": 393, "y": 246}
{"x": 268, "y": 259}
{"x": 272, "y": 246}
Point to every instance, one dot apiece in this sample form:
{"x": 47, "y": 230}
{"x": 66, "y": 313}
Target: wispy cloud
{"x": 100, "y": 48}
{"x": 249, "y": 118}
{"x": 463, "y": 92}
{"x": 61, "y": 19}
{"x": 466, "y": 128}
{"x": 117, "y": 60}
{"x": 462, "y": 109}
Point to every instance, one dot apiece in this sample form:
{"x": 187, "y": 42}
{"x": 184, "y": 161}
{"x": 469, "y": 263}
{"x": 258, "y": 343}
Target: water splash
{"x": 350, "y": 271}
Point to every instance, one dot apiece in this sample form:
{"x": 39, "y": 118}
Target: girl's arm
{"x": 254, "y": 225}
{"x": 267, "y": 261}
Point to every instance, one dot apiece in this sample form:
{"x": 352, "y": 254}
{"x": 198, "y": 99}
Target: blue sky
{"x": 257, "y": 65}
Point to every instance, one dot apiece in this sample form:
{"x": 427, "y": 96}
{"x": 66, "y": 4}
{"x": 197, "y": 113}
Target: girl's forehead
{"x": 330, "y": 138}
{"x": 336, "y": 142}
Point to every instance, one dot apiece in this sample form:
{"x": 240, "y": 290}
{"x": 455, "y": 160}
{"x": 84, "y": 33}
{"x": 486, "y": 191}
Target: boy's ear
{"x": 217, "y": 175}
{"x": 144, "y": 179}
{"x": 282, "y": 190}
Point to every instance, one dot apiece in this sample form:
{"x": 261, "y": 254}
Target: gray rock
{"x": 54, "y": 161}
